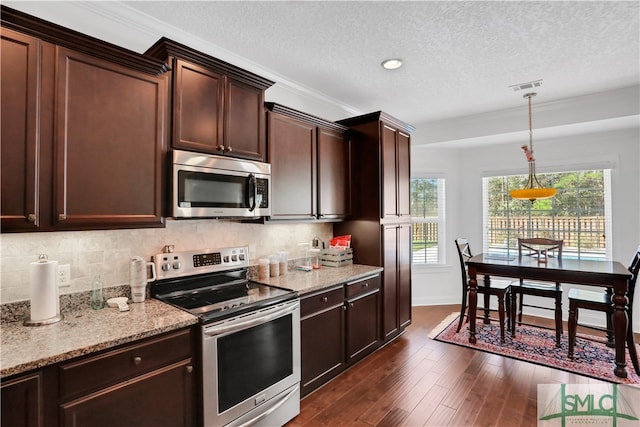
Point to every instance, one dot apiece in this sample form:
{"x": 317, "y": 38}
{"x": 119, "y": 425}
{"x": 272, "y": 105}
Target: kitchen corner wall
{"x": 107, "y": 252}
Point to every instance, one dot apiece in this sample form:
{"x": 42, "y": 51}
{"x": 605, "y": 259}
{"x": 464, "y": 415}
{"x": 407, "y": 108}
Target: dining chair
{"x": 499, "y": 288}
{"x": 601, "y": 301}
{"x": 540, "y": 248}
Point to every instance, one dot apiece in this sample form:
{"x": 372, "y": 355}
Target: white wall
{"x": 464, "y": 167}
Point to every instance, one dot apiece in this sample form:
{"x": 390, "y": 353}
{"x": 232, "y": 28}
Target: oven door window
{"x": 202, "y": 190}
{"x": 251, "y": 360}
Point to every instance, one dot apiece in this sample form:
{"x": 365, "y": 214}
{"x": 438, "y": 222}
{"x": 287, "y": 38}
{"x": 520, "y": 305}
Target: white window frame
{"x": 440, "y": 219}
{"x": 607, "y": 206}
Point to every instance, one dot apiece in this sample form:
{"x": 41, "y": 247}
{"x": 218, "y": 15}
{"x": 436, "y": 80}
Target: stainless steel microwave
{"x": 209, "y": 186}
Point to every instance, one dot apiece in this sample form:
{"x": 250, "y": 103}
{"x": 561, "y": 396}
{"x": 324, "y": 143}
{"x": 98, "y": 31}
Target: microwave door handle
{"x": 252, "y": 191}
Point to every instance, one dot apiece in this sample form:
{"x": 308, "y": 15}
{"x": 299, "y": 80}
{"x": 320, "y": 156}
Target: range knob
{"x": 166, "y": 266}
{"x": 177, "y": 265}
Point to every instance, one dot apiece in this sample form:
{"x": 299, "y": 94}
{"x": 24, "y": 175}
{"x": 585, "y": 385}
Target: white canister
{"x": 138, "y": 277}
{"x": 284, "y": 259}
{"x": 274, "y": 265}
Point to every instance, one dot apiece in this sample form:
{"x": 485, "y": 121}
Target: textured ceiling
{"x": 460, "y": 57}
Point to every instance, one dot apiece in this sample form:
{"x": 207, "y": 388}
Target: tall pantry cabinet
{"x": 381, "y": 222}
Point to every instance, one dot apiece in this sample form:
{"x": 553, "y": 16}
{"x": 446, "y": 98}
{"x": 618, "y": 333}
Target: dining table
{"x": 601, "y": 273}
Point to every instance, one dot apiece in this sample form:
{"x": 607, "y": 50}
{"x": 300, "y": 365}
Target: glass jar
{"x": 314, "y": 254}
{"x": 97, "y": 299}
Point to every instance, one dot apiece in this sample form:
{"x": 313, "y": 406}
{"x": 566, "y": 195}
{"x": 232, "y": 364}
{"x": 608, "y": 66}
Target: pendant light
{"x": 533, "y": 190}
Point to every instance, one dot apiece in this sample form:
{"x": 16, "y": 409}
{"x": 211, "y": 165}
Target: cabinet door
{"x": 390, "y": 321}
{"x": 334, "y": 174}
{"x": 244, "y": 134}
{"x": 19, "y": 77}
{"x": 362, "y": 325}
{"x": 197, "y": 108}
{"x": 108, "y": 144}
{"x": 404, "y": 275}
{"x": 161, "y": 398}
{"x": 389, "y": 172}
{"x": 292, "y": 154}
{"x": 396, "y": 173}
{"x": 404, "y": 174}
{"x": 321, "y": 346}
{"x": 21, "y": 401}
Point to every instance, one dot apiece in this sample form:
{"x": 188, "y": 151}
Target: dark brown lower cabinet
{"x": 396, "y": 288}
{"x": 160, "y": 398}
{"x": 363, "y": 317}
{"x": 151, "y": 382}
{"x": 22, "y": 401}
{"x": 322, "y": 337}
{"x": 339, "y": 326}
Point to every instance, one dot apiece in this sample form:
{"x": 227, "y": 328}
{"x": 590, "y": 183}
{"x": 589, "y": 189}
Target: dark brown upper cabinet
{"x": 381, "y": 167}
{"x": 310, "y": 166}
{"x": 82, "y": 130}
{"x": 217, "y": 108}
{"x": 19, "y": 80}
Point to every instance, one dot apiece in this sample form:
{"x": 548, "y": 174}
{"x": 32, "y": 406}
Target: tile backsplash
{"x": 107, "y": 252}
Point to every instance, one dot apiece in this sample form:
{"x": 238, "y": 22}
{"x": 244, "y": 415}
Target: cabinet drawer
{"x": 362, "y": 286}
{"x": 321, "y": 301}
{"x": 96, "y": 372}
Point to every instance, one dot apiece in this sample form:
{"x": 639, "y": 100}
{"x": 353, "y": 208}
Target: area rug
{"x": 537, "y": 345}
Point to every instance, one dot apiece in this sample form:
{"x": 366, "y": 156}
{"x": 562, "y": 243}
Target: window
{"x": 427, "y": 218}
{"x": 579, "y": 213}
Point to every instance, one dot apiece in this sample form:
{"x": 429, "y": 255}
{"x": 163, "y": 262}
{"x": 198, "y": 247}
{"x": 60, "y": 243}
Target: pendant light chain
{"x": 529, "y": 95}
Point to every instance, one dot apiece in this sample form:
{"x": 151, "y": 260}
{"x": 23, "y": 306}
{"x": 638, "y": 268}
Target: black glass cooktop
{"x": 219, "y": 301}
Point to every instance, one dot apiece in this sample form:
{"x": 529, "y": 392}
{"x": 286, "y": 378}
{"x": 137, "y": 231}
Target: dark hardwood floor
{"x": 415, "y": 381}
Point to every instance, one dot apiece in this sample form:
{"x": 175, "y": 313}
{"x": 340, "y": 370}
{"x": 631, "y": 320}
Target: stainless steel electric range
{"x": 250, "y": 335}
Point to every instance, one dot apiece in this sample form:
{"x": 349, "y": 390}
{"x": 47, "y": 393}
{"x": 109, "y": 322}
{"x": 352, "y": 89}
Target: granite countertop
{"x": 84, "y": 331}
{"x": 305, "y": 282}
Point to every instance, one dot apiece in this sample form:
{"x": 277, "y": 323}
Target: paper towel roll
{"x": 45, "y": 303}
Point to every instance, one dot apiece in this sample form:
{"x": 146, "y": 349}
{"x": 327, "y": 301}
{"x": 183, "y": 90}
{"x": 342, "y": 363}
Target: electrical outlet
{"x": 64, "y": 276}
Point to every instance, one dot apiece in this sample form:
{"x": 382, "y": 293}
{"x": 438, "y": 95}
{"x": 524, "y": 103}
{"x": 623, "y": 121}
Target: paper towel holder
{"x": 41, "y": 322}
{"x": 49, "y": 321}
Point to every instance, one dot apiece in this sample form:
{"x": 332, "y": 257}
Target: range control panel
{"x": 177, "y": 264}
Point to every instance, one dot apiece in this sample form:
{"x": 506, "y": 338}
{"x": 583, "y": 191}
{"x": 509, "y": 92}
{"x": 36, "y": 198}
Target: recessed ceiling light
{"x": 391, "y": 64}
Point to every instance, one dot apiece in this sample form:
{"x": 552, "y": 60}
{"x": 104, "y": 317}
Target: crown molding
{"x": 122, "y": 25}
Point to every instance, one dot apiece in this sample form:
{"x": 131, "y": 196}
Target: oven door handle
{"x": 232, "y": 327}
{"x": 281, "y": 402}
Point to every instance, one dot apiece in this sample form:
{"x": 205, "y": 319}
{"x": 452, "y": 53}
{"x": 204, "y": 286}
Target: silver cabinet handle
{"x": 137, "y": 360}
{"x": 189, "y": 369}
{"x": 31, "y": 217}
{"x": 62, "y": 217}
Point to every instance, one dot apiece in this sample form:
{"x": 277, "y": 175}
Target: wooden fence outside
{"x": 589, "y": 232}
